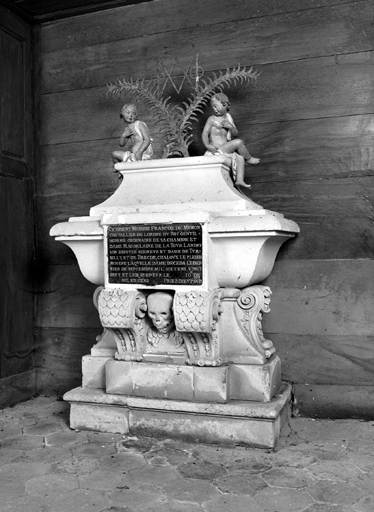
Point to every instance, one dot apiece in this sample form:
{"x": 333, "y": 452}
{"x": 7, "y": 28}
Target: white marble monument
{"x": 179, "y": 255}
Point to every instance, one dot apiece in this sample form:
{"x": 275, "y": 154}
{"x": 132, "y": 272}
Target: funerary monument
{"x": 179, "y": 254}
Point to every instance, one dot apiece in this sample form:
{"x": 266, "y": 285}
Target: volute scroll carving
{"x": 250, "y": 306}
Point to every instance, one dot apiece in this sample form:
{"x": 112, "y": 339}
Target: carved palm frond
{"x": 175, "y": 121}
{"x": 210, "y": 86}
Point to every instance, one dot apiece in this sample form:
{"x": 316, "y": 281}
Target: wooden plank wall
{"x": 309, "y": 118}
{"x": 17, "y": 233}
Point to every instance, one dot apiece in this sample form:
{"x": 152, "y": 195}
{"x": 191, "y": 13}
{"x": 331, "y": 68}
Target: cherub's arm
{"x": 206, "y": 136}
{"x": 125, "y": 136}
{"x": 145, "y": 142}
{"x": 229, "y": 124}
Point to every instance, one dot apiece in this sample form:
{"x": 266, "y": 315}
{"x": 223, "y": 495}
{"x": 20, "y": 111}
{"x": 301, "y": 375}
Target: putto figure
{"x": 218, "y": 138}
{"x": 137, "y": 134}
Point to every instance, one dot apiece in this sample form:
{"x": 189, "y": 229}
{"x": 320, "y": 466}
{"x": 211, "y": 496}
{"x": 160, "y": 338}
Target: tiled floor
{"x": 318, "y": 466}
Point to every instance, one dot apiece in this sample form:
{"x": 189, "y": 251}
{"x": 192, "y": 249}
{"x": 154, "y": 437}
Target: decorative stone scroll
{"x": 250, "y": 305}
{"x": 122, "y": 312}
{"x": 204, "y": 328}
{"x": 196, "y": 316}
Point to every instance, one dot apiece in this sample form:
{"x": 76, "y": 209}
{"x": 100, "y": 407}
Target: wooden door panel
{"x": 17, "y": 252}
{"x": 13, "y": 80}
{"x": 16, "y": 123}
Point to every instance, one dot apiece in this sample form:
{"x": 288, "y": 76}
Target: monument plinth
{"x": 179, "y": 255}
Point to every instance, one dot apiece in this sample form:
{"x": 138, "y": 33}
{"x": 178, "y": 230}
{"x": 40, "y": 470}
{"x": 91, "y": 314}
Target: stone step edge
{"x": 261, "y": 410}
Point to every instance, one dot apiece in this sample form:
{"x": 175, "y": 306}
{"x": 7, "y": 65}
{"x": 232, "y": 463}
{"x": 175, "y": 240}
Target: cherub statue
{"x": 137, "y": 133}
{"x": 217, "y": 138}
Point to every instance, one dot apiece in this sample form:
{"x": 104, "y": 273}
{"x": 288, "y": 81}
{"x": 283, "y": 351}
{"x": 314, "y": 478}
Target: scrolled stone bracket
{"x": 196, "y": 317}
{"x": 249, "y": 308}
{"x": 122, "y": 312}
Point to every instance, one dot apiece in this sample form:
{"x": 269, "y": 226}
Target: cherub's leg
{"x": 117, "y": 156}
{"x": 238, "y": 145}
{"x": 239, "y": 182}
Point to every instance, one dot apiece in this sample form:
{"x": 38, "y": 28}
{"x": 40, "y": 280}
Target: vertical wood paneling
{"x": 17, "y": 243}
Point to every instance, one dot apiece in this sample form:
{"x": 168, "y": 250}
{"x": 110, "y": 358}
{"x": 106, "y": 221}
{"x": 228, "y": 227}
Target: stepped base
{"x": 256, "y": 424}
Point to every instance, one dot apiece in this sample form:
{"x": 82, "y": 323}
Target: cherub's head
{"x": 160, "y": 311}
{"x": 220, "y": 103}
{"x": 129, "y": 112}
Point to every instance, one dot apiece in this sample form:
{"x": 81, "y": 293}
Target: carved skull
{"x": 160, "y": 311}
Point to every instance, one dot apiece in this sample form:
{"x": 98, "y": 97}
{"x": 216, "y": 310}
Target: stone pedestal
{"x": 237, "y": 422}
{"x": 178, "y": 254}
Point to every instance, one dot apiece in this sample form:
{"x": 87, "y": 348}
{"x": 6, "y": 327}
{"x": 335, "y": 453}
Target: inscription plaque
{"x": 155, "y": 254}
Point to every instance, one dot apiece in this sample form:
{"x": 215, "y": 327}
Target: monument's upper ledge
{"x": 200, "y": 183}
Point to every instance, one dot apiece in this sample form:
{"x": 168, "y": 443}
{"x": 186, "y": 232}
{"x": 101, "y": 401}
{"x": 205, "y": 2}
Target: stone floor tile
{"x": 364, "y": 461}
{"x": 316, "y": 429}
{"x": 173, "y": 506}
{"x": 194, "y": 491}
{"x": 40, "y": 402}
{"x": 233, "y": 503}
{"x": 12, "y": 488}
{"x": 171, "y": 455}
{"x": 93, "y": 450}
{"x": 137, "y": 444}
{"x": 203, "y": 470}
{"x": 23, "y": 470}
{"x": 80, "y": 500}
{"x": 129, "y": 474}
{"x": 24, "y": 504}
{"x": 9, "y": 455}
{"x": 337, "y": 493}
{"x": 365, "y": 483}
{"x": 103, "y": 437}
{"x": 66, "y": 438}
{"x": 44, "y": 429}
{"x": 291, "y": 457}
{"x": 156, "y": 460}
{"x": 293, "y": 478}
{"x": 154, "y": 475}
{"x": 319, "y": 507}
{"x": 254, "y": 465}
{"x": 48, "y": 455}
{"x": 362, "y": 446}
{"x": 240, "y": 483}
{"x": 7, "y": 430}
{"x": 23, "y": 442}
{"x": 121, "y": 462}
{"x": 16, "y": 419}
{"x": 50, "y": 485}
{"x": 104, "y": 480}
{"x": 222, "y": 454}
{"x": 134, "y": 498}
{"x": 335, "y": 470}
{"x": 322, "y": 455}
{"x": 283, "y": 500}
{"x": 365, "y": 504}
{"x": 118, "y": 508}
{"x": 75, "y": 465}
